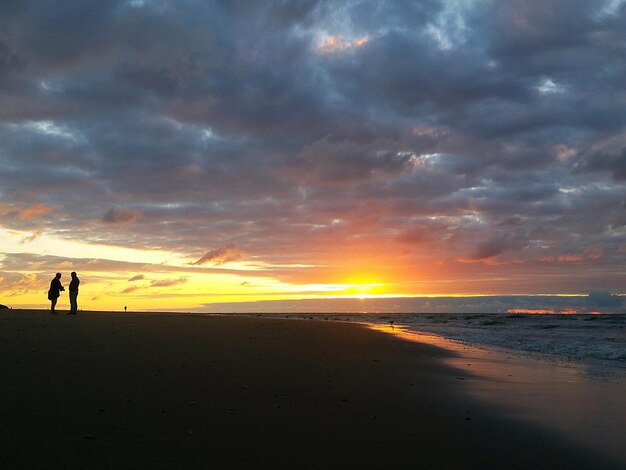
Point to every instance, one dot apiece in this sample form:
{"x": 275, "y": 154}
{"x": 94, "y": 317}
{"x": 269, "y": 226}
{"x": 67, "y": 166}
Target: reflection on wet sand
{"x": 556, "y": 394}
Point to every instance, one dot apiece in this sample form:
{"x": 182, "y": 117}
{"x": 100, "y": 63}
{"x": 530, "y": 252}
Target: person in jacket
{"x": 55, "y": 291}
{"x": 74, "y": 283}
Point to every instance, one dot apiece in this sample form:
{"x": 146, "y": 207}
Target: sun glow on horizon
{"x": 142, "y": 279}
{"x": 156, "y": 279}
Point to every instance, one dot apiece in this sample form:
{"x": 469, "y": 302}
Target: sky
{"x": 210, "y": 155}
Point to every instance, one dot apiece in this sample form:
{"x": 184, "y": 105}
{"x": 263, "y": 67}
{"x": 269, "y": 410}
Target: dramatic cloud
{"x": 437, "y": 146}
{"x": 138, "y": 277}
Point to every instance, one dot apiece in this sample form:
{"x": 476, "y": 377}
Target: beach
{"x": 159, "y": 390}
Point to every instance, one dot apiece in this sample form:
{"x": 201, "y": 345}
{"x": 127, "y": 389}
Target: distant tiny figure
{"x": 124, "y": 308}
{"x": 74, "y": 283}
{"x": 55, "y": 291}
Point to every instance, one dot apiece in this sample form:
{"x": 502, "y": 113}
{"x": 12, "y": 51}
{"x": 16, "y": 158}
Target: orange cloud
{"x": 589, "y": 253}
{"x": 24, "y": 213}
{"x": 336, "y": 44}
{"x": 570, "y": 258}
{"x": 33, "y": 211}
{"x": 531, "y": 311}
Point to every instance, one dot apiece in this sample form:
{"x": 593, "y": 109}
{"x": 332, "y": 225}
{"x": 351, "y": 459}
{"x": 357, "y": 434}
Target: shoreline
{"x": 115, "y": 390}
{"x": 588, "y": 409}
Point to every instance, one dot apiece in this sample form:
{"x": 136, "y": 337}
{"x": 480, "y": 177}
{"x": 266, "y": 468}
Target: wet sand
{"x": 110, "y": 390}
{"x": 582, "y": 401}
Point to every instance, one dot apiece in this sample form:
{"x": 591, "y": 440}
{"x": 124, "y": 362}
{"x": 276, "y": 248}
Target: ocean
{"x": 597, "y": 341}
{"x": 579, "y": 337}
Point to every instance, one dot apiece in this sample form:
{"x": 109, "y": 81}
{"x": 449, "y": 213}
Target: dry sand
{"x": 109, "y": 390}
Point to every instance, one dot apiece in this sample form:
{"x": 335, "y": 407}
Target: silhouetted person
{"x": 55, "y": 291}
{"x": 74, "y": 283}
{"x": 124, "y": 308}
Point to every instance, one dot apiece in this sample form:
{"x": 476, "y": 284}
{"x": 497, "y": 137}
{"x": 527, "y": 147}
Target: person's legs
{"x": 53, "y": 303}
{"x": 73, "y": 302}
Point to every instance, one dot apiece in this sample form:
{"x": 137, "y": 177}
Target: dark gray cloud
{"x": 480, "y": 131}
{"x": 491, "y": 248}
{"x": 221, "y": 255}
{"x": 496, "y": 304}
{"x": 119, "y": 216}
{"x": 8, "y": 60}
